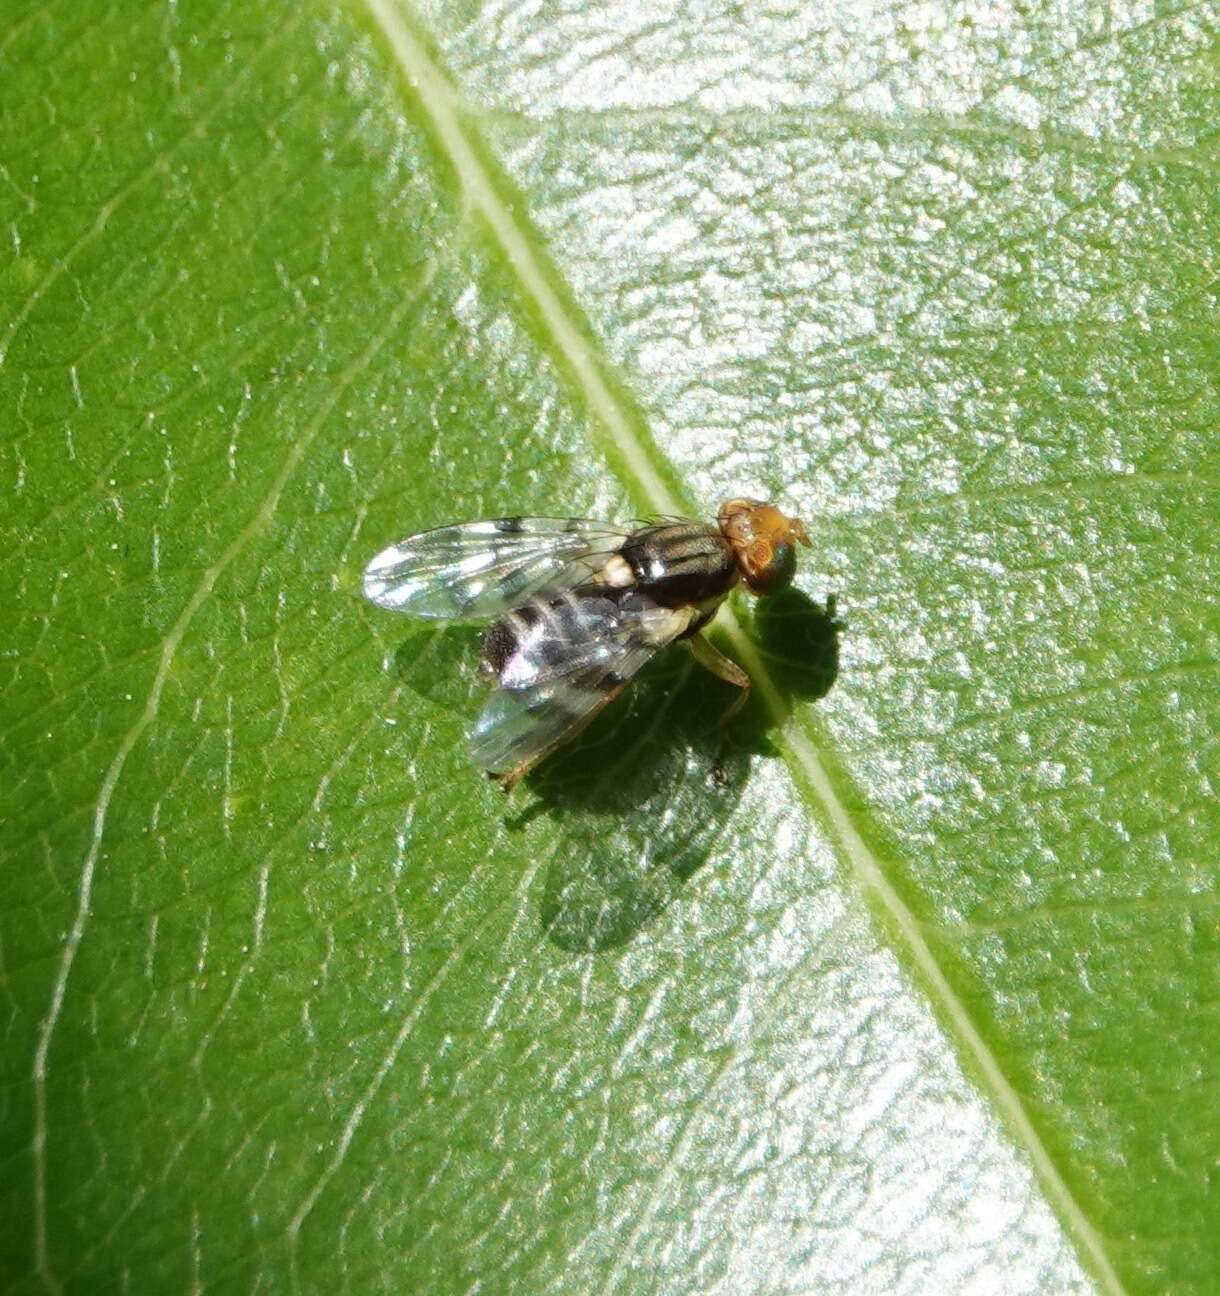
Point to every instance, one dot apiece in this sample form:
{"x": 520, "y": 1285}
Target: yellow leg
{"x": 723, "y": 668}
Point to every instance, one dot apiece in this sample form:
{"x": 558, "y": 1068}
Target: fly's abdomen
{"x": 680, "y": 563}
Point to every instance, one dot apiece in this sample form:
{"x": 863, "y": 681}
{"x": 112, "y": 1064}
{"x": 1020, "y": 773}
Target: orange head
{"x": 763, "y": 541}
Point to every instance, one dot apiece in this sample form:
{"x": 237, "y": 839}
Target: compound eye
{"x": 769, "y": 568}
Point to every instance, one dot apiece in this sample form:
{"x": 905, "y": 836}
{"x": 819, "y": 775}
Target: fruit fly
{"x": 578, "y": 607}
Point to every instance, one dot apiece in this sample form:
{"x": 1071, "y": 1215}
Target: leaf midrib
{"x": 629, "y": 452}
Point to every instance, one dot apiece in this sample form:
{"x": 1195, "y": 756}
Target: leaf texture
{"x": 922, "y": 1000}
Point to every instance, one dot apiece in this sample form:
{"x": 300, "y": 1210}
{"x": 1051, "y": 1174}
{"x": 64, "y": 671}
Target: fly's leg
{"x": 723, "y": 668}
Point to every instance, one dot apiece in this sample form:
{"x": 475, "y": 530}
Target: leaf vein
{"x": 627, "y": 450}
{"x": 261, "y": 517}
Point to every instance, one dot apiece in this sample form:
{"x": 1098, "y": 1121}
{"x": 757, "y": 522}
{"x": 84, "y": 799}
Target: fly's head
{"x": 764, "y": 542}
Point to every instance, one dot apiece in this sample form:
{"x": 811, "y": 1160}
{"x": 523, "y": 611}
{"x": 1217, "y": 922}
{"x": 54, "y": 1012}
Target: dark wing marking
{"x": 479, "y": 569}
{"x": 571, "y": 657}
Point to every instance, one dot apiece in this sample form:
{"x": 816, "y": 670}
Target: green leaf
{"x": 924, "y": 998}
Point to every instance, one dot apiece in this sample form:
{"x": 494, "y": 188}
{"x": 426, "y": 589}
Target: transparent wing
{"x": 479, "y": 569}
{"x": 572, "y": 656}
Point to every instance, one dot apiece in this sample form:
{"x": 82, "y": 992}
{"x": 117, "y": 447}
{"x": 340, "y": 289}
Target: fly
{"x": 578, "y": 607}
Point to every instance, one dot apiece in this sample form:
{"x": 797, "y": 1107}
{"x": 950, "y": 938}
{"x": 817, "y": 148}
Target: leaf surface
{"x": 923, "y": 1000}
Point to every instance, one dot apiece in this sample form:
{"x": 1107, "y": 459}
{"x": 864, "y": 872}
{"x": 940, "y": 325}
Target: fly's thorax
{"x": 616, "y": 573}
{"x": 681, "y": 563}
